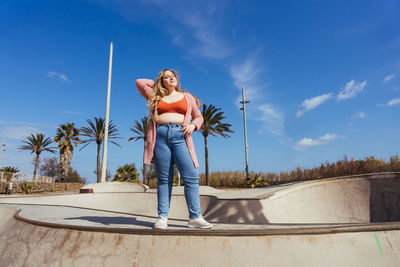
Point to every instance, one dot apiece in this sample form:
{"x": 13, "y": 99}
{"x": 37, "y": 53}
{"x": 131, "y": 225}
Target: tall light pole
{"x": 244, "y": 102}
{"x": 104, "y": 162}
{"x": 2, "y": 149}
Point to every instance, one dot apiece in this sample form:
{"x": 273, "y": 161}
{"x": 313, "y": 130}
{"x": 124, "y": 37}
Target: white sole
{"x": 158, "y": 228}
{"x": 201, "y": 227}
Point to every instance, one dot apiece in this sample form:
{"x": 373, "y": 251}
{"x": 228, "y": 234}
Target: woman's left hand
{"x": 188, "y": 129}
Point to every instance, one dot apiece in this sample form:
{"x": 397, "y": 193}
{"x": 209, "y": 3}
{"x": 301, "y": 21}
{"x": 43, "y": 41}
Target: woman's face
{"x": 169, "y": 80}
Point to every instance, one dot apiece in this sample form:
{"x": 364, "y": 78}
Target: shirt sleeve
{"x": 197, "y": 117}
{"x": 145, "y": 87}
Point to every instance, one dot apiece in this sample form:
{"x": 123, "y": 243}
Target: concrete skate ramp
{"x": 116, "y": 187}
{"x": 358, "y": 199}
{"x": 352, "y": 199}
{"x": 25, "y": 244}
{"x": 348, "y": 221}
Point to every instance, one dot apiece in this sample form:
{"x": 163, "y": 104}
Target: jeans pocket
{"x": 181, "y": 133}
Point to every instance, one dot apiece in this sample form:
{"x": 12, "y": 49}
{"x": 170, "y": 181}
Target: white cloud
{"x": 309, "y": 142}
{"x": 388, "y": 78}
{"x": 393, "y": 102}
{"x": 245, "y": 72}
{"x": 328, "y": 137}
{"x": 18, "y": 132}
{"x": 272, "y": 119}
{"x": 71, "y": 112}
{"x": 59, "y": 76}
{"x": 351, "y": 89}
{"x": 245, "y": 75}
{"x": 196, "y": 26}
{"x": 359, "y": 115}
{"x": 30, "y": 124}
{"x": 193, "y": 25}
{"x": 312, "y": 103}
{"x": 209, "y": 43}
{"x": 306, "y": 142}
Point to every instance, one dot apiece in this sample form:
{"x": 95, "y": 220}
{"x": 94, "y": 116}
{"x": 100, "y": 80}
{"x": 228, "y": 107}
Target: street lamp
{"x": 244, "y": 102}
{"x": 2, "y": 149}
{"x": 104, "y": 162}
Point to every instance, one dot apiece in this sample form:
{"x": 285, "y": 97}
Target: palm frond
{"x": 37, "y": 143}
{"x": 213, "y": 124}
{"x": 140, "y": 129}
{"x": 67, "y": 137}
{"x": 95, "y": 132}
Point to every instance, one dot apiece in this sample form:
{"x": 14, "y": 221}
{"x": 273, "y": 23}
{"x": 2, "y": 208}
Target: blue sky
{"x": 323, "y": 77}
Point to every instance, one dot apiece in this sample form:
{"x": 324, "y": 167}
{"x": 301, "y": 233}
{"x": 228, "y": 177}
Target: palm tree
{"x": 140, "y": 129}
{"x": 37, "y": 144}
{"x": 67, "y": 137}
{"x": 95, "y": 133}
{"x": 9, "y": 171}
{"x": 127, "y": 173}
{"x": 213, "y": 125}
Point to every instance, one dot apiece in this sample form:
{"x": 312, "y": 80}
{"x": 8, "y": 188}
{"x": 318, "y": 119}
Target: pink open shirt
{"x": 193, "y": 115}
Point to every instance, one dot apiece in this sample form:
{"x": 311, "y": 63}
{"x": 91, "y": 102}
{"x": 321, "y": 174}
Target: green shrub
{"x": 26, "y": 189}
{"x": 344, "y": 167}
{"x": 127, "y": 173}
{"x": 255, "y": 181}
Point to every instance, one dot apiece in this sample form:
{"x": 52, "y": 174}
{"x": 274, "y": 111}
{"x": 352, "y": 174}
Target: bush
{"x": 73, "y": 177}
{"x": 26, "y": 189}
{"x": 344, "y": 167}
{"x": 127, "y": 173}
{"x": 255, "y": 180}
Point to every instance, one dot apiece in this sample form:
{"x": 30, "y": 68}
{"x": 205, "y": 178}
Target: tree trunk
{"x": 69, "y": 159}
{"x": 206, "y": 158}
{"x": 65, "y": 162}
{"x": 98, "y": 163}
{"x": 36, "y": 167}
{"x": 61, "y": 166}
{"x": 9, "y": 175}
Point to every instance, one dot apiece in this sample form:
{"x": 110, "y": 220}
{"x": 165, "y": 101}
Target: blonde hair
{"x": 159, "y": 91}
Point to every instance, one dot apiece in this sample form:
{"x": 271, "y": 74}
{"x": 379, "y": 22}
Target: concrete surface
{"x": 179, "y": 190}
{"x": 117, "y": 187}
{"x": 349, "y": 221}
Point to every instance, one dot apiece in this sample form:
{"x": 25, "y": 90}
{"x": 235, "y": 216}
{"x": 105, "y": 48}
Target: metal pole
{"x": 2, "y": 146}
{"x": 244, "y": 102}
{"x": 104, "y": 162}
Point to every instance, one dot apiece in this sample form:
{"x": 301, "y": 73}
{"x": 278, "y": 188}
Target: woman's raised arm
{"x": 145, "y": 87}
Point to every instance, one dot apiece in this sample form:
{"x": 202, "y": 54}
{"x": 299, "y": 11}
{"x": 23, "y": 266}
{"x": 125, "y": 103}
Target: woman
{"x": 174, "y": 116}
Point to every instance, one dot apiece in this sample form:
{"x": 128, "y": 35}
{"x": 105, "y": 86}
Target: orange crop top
{"x": 179, "y": 106}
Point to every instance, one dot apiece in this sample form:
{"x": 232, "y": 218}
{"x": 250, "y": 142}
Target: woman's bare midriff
{"x": 170, "y": 118}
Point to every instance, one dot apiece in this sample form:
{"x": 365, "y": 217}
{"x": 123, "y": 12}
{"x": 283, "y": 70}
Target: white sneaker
{"x": 161, "y": 223}
{"x": 199, "y": 223}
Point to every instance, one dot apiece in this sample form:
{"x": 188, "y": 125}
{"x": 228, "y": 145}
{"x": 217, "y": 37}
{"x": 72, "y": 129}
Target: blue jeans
{"x": 171, "y": 148}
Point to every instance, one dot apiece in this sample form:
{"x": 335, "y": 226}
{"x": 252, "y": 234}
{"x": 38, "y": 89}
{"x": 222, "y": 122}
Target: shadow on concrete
{"x": 384, "y": 204}
{"x": 113, "y": 220}
{"x": 248, "y": 211}
{"x": 119, "y": 220}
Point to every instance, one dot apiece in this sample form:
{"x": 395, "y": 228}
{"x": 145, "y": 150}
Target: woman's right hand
{"x": 188, "y": 129}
